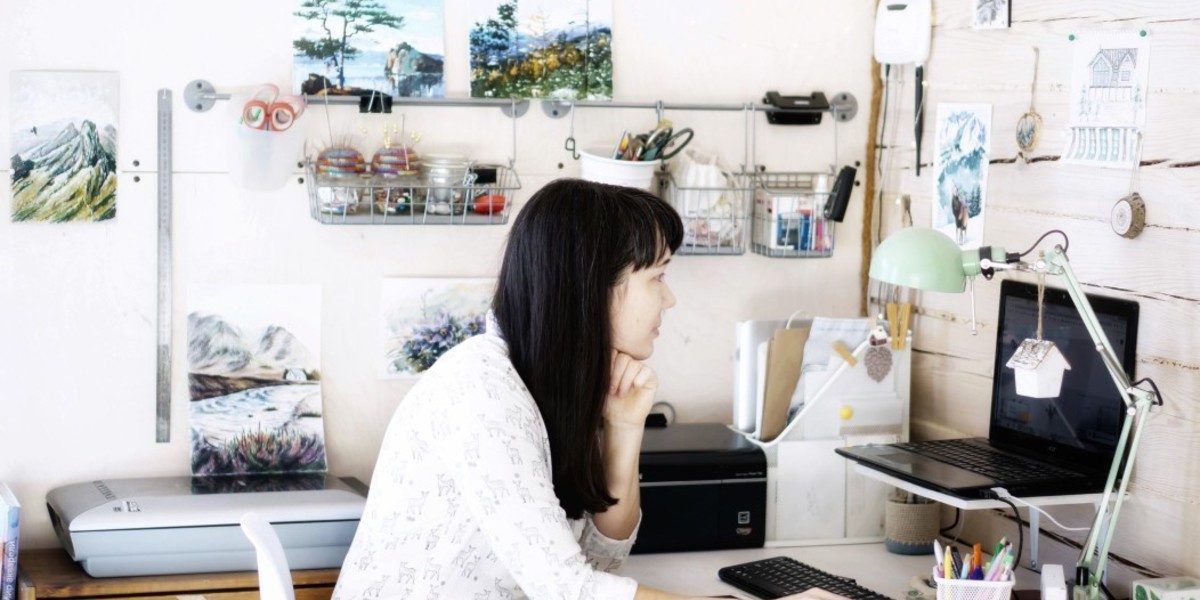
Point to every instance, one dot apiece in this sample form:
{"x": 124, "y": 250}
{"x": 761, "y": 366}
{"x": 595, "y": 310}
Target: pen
{"x": 621, "y": 145}
{"x": 956, "y": 557}
{"x": 997, "y": 565}
{"x": 937, "y": 552}
{"x": 947, "y": 566}
{"x": 999, "y": 546}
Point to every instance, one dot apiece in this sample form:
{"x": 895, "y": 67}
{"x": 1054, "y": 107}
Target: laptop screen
{"x": 1083, "y": 423}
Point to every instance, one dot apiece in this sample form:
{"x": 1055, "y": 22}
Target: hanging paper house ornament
{"x": 1039, "y": 367}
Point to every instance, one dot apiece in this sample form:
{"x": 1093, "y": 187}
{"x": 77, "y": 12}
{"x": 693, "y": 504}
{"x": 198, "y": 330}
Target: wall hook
{"x": 569, "y": 145}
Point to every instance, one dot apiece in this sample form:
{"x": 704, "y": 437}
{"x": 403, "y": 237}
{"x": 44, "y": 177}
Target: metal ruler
{"x": 163, "y": 405}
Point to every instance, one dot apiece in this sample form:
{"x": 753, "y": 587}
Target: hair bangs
{"x": 655, "y": 231}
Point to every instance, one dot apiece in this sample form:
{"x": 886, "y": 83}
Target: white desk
{"x": 871, "y": 565}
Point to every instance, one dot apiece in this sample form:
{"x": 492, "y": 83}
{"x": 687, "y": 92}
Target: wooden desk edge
{"x": 50, "y": 573}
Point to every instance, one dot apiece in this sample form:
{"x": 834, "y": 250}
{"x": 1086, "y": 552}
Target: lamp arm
{"x": 1137, "y": 405}
{"x": 1057, "y": 264}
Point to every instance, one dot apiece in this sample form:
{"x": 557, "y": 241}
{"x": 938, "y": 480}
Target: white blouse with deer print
{"x": 462, "y": 505}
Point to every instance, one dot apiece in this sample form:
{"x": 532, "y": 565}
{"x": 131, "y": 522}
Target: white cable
{"x": 1003, "y": 493}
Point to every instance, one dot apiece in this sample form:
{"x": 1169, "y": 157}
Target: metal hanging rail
{"x": 843, "y": 106}
{"x": 200, "y": 96}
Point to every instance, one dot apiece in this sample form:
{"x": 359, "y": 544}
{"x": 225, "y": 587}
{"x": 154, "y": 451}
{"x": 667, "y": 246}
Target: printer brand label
{"x": 103, "y": 489}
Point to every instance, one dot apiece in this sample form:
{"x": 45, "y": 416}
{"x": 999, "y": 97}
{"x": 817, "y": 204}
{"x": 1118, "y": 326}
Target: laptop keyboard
{"x": 987, "y": 462}
{"x": 782, "y": 576}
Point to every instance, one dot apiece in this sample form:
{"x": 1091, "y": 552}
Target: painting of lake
{"x": 254, "y": 379}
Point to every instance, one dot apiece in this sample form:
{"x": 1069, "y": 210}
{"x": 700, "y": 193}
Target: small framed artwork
{"x": 991, "y": 14}
{"x": 423, "y": 318}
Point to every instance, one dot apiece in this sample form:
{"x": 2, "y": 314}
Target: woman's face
{"x": 637, "y": 306}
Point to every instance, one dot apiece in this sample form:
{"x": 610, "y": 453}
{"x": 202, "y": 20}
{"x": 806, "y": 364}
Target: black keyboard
{"x": 781, "y": 576}
{"x": 986, "y": 461}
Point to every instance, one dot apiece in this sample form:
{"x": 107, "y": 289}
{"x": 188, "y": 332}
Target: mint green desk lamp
{"x": 927, "y": 259}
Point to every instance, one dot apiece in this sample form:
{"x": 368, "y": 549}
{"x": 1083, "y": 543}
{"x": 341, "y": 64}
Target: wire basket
{"x": 716, "y": 220}
{"x": 970, "y": 589}
{"x": 788, "y": 215}
{"x": 483, "y": 197}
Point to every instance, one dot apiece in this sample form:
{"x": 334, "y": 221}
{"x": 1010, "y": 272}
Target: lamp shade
{"x": 921, "y": 258}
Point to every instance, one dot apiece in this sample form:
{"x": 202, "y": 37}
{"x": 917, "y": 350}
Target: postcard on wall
{"x": 391, "y": 46}
{"x": 1109, "y": 79}
{"x": 961, "y": 147}
{"x": 558, "y": 49}
{"x": 991, "y": 14}
{"x": 422, "y": 318}
{"x": 64, "y": 145}
{"x": 254, "y": 379}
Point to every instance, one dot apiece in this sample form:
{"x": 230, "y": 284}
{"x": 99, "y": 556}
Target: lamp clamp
{"x": 986, "y": 267}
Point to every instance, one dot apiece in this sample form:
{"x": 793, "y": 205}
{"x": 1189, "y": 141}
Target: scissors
{"x": 659, "y": 140}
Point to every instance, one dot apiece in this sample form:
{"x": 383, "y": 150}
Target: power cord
{"x": 1066, "y": 242}
{"x": 952, "y": 525}
{"x": 1020, "y": 530}
{"x": 1003, "y": 495}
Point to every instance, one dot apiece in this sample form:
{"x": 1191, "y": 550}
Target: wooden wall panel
{"x": 952, "y": 369}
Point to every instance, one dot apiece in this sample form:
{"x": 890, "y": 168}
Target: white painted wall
{"x": 77, "y": 311}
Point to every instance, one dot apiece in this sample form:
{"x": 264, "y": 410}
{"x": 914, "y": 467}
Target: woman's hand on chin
{"x": 631, "y": 391}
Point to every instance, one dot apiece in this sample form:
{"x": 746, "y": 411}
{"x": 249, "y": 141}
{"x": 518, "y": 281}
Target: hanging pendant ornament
{"x": 1029, "y": 126}
{"x": 1128, "y": 216}
{"x": 1038, "y": 363}
{"x": 878, "y": 358}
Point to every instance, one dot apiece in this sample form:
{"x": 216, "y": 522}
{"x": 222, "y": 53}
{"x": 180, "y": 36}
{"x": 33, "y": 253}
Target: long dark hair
{"x": 567, "y": 249}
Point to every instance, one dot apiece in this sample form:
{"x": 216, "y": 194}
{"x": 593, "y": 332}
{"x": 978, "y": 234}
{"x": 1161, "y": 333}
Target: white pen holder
{"x": 969, "y": 589}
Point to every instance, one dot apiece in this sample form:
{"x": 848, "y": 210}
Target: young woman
{"x": 511, "y": 468}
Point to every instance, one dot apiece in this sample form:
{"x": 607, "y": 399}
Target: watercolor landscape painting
{"x": 391, "y": 46}
{"x": 960, "y": 171}
{"x": 541, "y": 49}
{"x": 64, "y": 151}
{"x": 254, "y": 380}
{"x": 423, "y": 318}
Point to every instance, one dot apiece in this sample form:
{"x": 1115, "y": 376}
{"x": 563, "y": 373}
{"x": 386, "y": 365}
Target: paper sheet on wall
{"x": 1109, "y": 77}
{"x": 962, "y": 143}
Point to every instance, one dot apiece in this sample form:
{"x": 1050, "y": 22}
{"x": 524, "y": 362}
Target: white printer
{"x": 167, "y": 525}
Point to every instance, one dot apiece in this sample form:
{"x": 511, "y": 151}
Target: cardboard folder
{"x": 785, "y": 355}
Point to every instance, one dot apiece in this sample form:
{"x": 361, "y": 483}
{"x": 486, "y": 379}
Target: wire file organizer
{"x": 480, "y": 198}
{"x": 716, "y": 218}
{"x": 788, "y": 218}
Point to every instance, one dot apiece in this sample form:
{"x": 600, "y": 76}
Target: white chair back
{"x": 274, "y": 577}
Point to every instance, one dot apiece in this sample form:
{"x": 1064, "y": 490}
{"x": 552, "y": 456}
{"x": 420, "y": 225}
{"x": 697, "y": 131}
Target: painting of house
{"x": 1113, "y": 67}
{"x": 1109, "y": 81}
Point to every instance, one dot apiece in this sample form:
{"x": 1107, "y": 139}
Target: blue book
{"x": 10, "y": 534}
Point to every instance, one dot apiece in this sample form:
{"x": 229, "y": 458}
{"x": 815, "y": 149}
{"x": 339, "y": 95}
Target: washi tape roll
{"x": 285, "y": 111}
{"x": 256, "y": 112}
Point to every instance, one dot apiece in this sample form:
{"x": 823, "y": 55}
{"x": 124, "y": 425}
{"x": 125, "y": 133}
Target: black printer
{"x": 704, "y": 487}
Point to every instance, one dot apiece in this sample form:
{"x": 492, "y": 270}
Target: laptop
{"x": 1035, "y": 447}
